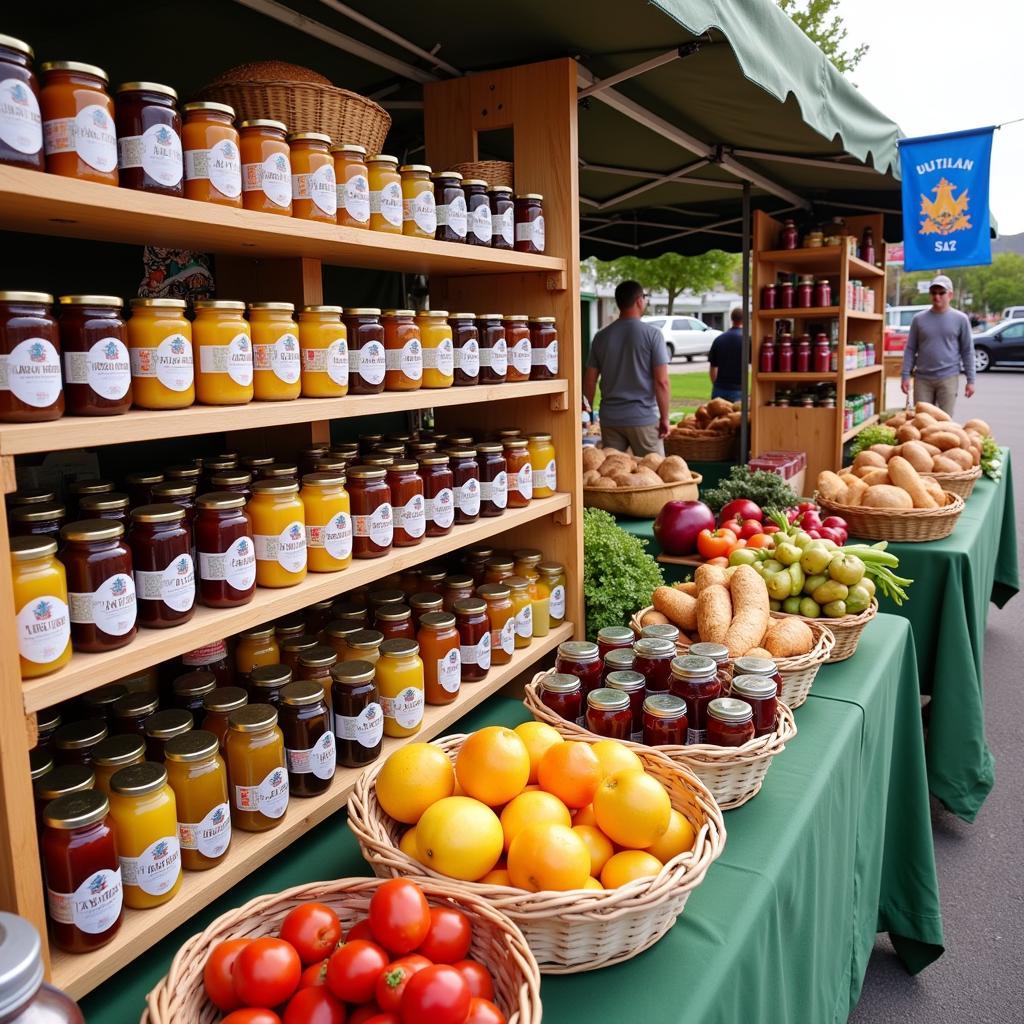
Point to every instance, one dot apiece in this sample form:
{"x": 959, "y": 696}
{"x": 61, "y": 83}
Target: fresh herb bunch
{"x": 618, "y": 574}
{"x": 869, "y": 436}
{"x": 991, "y": 458}
{"x": 763, "y": 488}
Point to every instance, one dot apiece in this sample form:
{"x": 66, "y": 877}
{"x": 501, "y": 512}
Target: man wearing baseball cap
{"x": 938, "y": 345}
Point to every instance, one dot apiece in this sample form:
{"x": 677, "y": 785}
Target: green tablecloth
{"x": 835, "y": 847}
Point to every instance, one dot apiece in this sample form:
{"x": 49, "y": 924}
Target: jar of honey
{"x": 563, "y": 694}
{"x": 353, "y": 198}
{"x": 358, "y": 718}
{"x": 450, "y": 207}
{"x": 257, "y": 768}
{"x": 502, "y": 217}
{"x": 523, "y": 606}
{"x": 399, "y": 679}
{"x": 36, "y": 520}
{"x": 131, "y": 712}
{"x": 60, "y": 780}
{"x": 520, "y": 472}
{"x": 160, "y": 350}
{"x": 385, "y": 194}
{"x": 372, "y": 515}
{"x": 543, "y": 348}
{"x": 225, "y": 550}
{"x": 366, "y": 357}
{"x": 336, "y": 634}
{"x": 213, "y": 161}
{"x": 21, "y": 125}
{"x": 474, "y": 625}
{"x": 255, "y": 647}
{"x": 190, "y": 689}
{"x": 84, "y": 487}
{"x": 314, "y": 187}
{"x": 608, "y": 714}
{"x": 30, "y": 378}
{"x": 394, "y": 622}
{"x": 114, "y": 753}
{"x": 438, "y": 348}
{"x": 324, "y": 344}
{"x": 439, "y": 644}
{"x": 421, "y": 604}
{"x": 493, "y": 349}
{"x": 545, "y": 466}
{"x": 97, "y": 370}
{"x": 466, "y": 344}
{"x": 266, "y": 166}
{"x": 407, "y": 503}
{"x": 502, "y": 615}
{"x": 279, "y": 533}
{"x": 309, "y": 747}
{"x": 165, "y": 578}
{"x": 40, "y": 606}
{"x": 517, "y": 340}
{"x": 78, "y": 121}
{"x": 328, "y": 521}
{"x": 529, "y": 217}
{"x": 403, "y": 351}
{"x": 493, "y": 479}
{"x": 419, "y": 213}
{"x": 218, "y": 705}
{"x": 466, "y": 476}
{"x": 315, "y": 663}
{"x": 276, "y": 359}
{"x": 198, "y": 778}
{"x": 223, "y": 342}
{"x": 149, "y": 138}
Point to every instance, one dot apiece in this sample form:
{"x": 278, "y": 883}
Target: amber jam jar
{"x": 217, "y": 705}
{"x": 424, "y": 604}
{"x": 759, "y": 667}
{"x": 466, "y": 343}
{"x": 653, "y": 660}
{"x": 97, "y": 370}
{"x": 493, "y": 349}
{"x": 266, "y": 166}
{"x": 378, "y": 599}
{"x": 165, "y": 578}
{"x": 309, "y": 747}
{"x": 620, "y": 659}
{"x": 695, "y": 679}
{"x": 140, "y": 487}
{"x": 562, "y": 693}
{"x": 372, "y": 514}
{"x": 294, "y": 647}
{"x": 149, "y": 155}
{"x": 719, "y": 654}
{"x": 99, "y": 703}
{"x": 474, "y": 626}
{"x": 609, "y": 714}
{"x": 580, "y": 658}
{"x": 358, "y": 716}
{"x": 30, "y": 388}
{"x": 633, "y": 685}
{"x": 466, "y": 476}
{"x": 438, "y": 494}
{"x": 478, "y": 211}
{"x": 456, "y": 587}
{"x": 367, "y": 360}
{"x": 213, "y": 162}
{"x": 407, "y": 503}
{"x": 21, "y": 143}
{"x": 519, "y": 471}
{"x": 761, "y": 693}
{"x": 730, "y": 722}
{"x": 665, "y": 721}
{"x": 611, "y": 638}
{"x": 517, "y": 340}
{"x": 493, "y": 479}
{"x": 395, "y": 622}
{"x": 403, "y": 350}
{"x": 225, "y": 550}
{"x": 315, "y": 664}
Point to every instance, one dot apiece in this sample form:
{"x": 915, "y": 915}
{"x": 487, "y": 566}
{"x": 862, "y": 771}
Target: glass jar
{"x": 466, "y": 342}
{"x": 665, "y": 723}
{"x": 140, "y": 487}
{"x": 400, "y": 682}
{"x": 131, "y": 712}
{"x": 80, "y": 488}
{"x": 111, "y": 506}
{"x": 695, "y": 679}
{"x": 788, "y": 235}
{"x": 328, "y": 521}
{"x": 353, "y": 195}
{"x": 145, "y": 819}
{"x": 99, "y": 703}
{"x": 440, "y": 643}
{"x": 424, "y": 604}
{"x": 30, "y": 386}
{"x": 822, "y": 292}
{"x": 608, "y": 714}
{"x": 503, "y": 228}
{"x": 408, "y": 505}
{"x": 223, "y": 341}
{"x": 730, "y": 722}
{"x": 309, "y": 746}
{"x": 766, "y": 357}
{"x": 352, "y": 613}
{"x": 213, "y": 161}
{"x": 653, "y": 660}
{"x": 419, "y": 213}
{"x": 358, "y": 718}
{"x": 805, "y": 291}
{"x": 611, "y": 638}
{"x": 523, "y": 610}
{"x": 198, "y": 777}
{"x": 315, "y": 664}
{"x": 666, "y": 631}
{"x": 456, "y": 587}
{"x": 493, "y": 349}
{"x": 97, "y": 370}
{"x": 438, "y": 494}
{"x": 79, "y": 134}
{"x": 277, "y": 364}
{"x": 474, "y": 625}
{"x": 719, "y": 654}
{"x": 529, "y": 217}
{"x": 162, "y": 726}
{"x": 519, "y": 472}
{"x": 802, "y": 362}
{"x": 256, "y": 766}
{"x": 517, "y": 340}
{"x": 372, "y": 514}
{"x": 437, "y": 348}
{"x": 478, "y": 211}
{"x": 149, "y": 138}
{"x": 160, "y": 351}
{"x": 114, "y": 753}
{"x": 189, "y": 690}
{"x": 366, "y": 355}
{"x": 466, "y": 476}
{"x": 394, "y": 622}
{"x": 552, "y": 579}
{"x": 324, "y": 347}
{"x": 84, "y": 894}
{"x": 65, "y": 778}
{"x": 47, "y": 722}
{"x": 493, "y": 479}
{"x": 501, "y": 612}
{"x": 618, "y": 660}
{"x": 768, "y": 295}
{"x": 633, "y": 685}
{"x": 545, "y": 465}
{"x": 21, "y": 142}
{"x": 784, "y": 294}
{"x": 214, "y": 657}
{"x": 75, "y": 742}
{"x": 255, "y": 647}
{"x": 255, "y": 463}
{"x": 218, "y": 705}
{"x": 764, "y": 667}
{"x": 40, "y": 606}
{"x": 314, "y": 187}
{"x": 279, "y": 533}
{"x": 379, "y": 599}
{"x": 761, "y": 693}
{"x": 450, "y": 207}
{"x": 403, "y": 351}
{"x": 364, "y": 645}
{"x": 281, "y": 472}
{"x": 266, "y": 166}
{"x": 225, "y": 550}
{"x": 580, "y": 658}
{"x": 165, "y": 580}
{"x": 385, "y": 194}
{"x": 562, "y": 693}
{"x": 784, "y": 357}
{"x": 543, "y": 348}
{"x": 36, "y": 521}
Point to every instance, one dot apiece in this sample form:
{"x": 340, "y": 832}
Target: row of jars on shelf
{"x": 131, "y": 795}
{"x": 71, "y": 126}
{"x": 159, "y": 359}
{"x": 808, "y": 292}
{"x": 828, "y": 233}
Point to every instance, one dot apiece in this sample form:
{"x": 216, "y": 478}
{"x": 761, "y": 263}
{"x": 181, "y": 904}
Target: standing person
{"x": 726, "y": 360}
{"x": 938, "y": 345}
{"x": 631, "y": 360}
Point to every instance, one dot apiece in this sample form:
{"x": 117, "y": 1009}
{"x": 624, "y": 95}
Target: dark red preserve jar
{"x": 730, "y": 722}
{"x": 224, "y": 550}
{"x": 562, "y": 693}
{"x": 664, "y": 720}
{"x": 695, "y": 679}
{"x": 761, "y": 693}
{"x": 165, "y": 577}
{"x": 652, "y": 658}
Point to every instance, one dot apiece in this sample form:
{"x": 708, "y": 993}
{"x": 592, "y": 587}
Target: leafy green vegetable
{"x": 869, "y": 436}
{"x": 991, "y": 458}
{"x": 766, "y": 489}
{"x": 618, "y": 574}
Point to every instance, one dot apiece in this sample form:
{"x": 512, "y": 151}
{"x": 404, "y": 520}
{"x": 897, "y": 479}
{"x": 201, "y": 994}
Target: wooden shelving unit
{"x": 259, "y": 257}
{"x": 819, "y": 431}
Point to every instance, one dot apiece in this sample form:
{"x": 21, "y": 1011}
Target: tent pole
{"x": 745, "y": 350}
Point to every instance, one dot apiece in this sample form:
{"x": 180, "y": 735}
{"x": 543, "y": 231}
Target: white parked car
{"x": 1013, "y": 313}
{"x": 684, "y": 335}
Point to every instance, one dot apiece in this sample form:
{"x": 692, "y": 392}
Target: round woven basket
{"x": 797, "y": 673}
{"x": 702, "y": 446}
{"x": 641, "y": 502}
{"x": 846, "y": 631}
{"x": 961, "y": 483}
{"x": 583, "y": 929}
{"x": 179, "y": 998}
{"x": 494, "y": 172}
{"x": 733, "y": 774}
{"x": 913, "y": 525}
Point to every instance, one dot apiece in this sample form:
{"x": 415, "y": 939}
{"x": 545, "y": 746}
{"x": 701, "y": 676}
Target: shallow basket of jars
{"x": 797, "y": 672}
{"x": 582, "y": 929}
{"x": 908, "y": 525}
{"x": 734, "y": 775}
{"x": 497, "y": 942}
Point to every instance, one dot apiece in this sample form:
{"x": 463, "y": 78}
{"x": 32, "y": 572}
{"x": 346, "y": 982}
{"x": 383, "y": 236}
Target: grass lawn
{"x": 688, "y": 390}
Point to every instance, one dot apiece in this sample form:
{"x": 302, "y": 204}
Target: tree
{"x": 987, "y": 289}
{"x": 821, "y": 24}
{"x": 671, "y": 272}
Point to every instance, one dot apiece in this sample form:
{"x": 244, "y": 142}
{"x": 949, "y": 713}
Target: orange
{"x": 614, "y": 757}
{"x": 459, "y": 837}
{"x": 571, "y": 771}
{"x": 632, "y": 809}
{"x": 545, "y": 856}
{"x": 493, "y": 765}
{"x": 598, "y": 845}
{"x": 499, "y": 876}
{"x": 407, "y": 844}
{"x": 678, "y": 838}
{"x": 414, "y": 777}
{"x": 585, "y": 816}
{"x": 529, "y": 807}
{"x": 592, "y": 883}
{"x": 537, "y": 736}
{"x": 628, "y": 866}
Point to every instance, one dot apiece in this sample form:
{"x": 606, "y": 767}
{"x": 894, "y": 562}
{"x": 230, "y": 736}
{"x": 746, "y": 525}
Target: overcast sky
{"x": 938, "y": 65}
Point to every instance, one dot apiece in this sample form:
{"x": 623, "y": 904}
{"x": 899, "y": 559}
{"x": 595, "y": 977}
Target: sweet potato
{"x": 590, "y": 477}
{"x": 886, "y": 496}
{"x": 604, "y": 483}
{"x": 931, "y": 449}
{"x": 680, "y": 608}
{"x": 831, "y": 487}
{"x": 961, "y": 456}
{"x": 855, "y": 492}
{"x": 904, "y": 475}
{"x": 751, "y": 612}
{"x": 885, "y": 450}
{"x": 653, "y": 618}
{"x": 980, "y": 426}
{"x": 719, "y": 407}
{"x": 674, "y": 475}
{"x": 707, "y": 575}
{"x": 689, "y": 587}
{"x": 652, "y": 461}
{"x": 868, "y": 458}
{"x": 923, "y": 419}
{"x": 932, "y": 410}
{"x": 788, "y": 638}
{"x": 593, "y": 457}
{"x": 916, "y": 454}
{"x": 714, "y": 612}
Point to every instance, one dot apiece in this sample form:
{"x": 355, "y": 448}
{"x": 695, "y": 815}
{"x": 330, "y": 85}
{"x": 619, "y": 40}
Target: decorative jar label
{"x": 175, "y": 585}
{"x": 170, "y": 362}
{"x": 478, "y": 653}
{"x": 319, "y": 760}
{"x": 412, "y": 516}
{"x": 496, "y": 357}
{"x": 467, "y": 497}
{"x": 21, "y": 127}
{"x": 406, "y": 707}
{"x": 524, "y": 481}
{"x": 221, "y": 165}
{"x": 44, "y": 628}
{"x": 356, "y": 198}
{"x": 407, "y": 360}
{"x": 332, "y": 360}
{"x": 467, "y": 358}
{"x": 449, "y": 670}
{"x": 441, "y": 508}
{"x": 520, "y": 356}
{"x": 90, "y": 133}
{"x": 31, "y": 372}
{"x": 441, "y": 357}
{"x": 111, "y": 607}
{"x": 234, "y": 359}
{"x": 94, "y": 906}
{"x": 237, "y": 565}
{"x": 556, "y": 603}
{"x": 157, "y": 151}
{"x": 211, "y": 836}
{"x": 270, "y": 797}
{"x": 422, "y": 211}
{"x": 368, "y": 362}
{"x": 366, "y": 729}
{"x": 156, "y": 869}
{"x": 106, "y": 367}
{"x": 379, "y": 525}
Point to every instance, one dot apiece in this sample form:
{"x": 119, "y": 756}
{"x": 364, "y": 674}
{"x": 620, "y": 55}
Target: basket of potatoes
{"x": 627, "y": 486}
{"x": 707, "y": 435}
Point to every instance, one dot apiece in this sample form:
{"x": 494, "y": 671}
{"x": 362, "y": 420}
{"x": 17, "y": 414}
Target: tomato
{"x": 750, "y": 527}
{"x": 717, "y": 544}
{"x": 353, "y": 970}
{"x": 449, "y": 936}
{"x": 769, "y": 529}
{"x": 360, "y": 930}
{"x": 393, "y": 979}
{"x": 734, "y": 526}
{"x": 251, "y": 1016}
{"x": 436, "y": 995}
{"x": 477, "y": 977}
{"x": 364, "y": 1013}
{"x": 482, "y": 1011}
{"x": 760, "y": 540}
{"x": 314, "y": 1006}
{"x": 399, "y": 915}
{"x": 313, "y": 929}
{"x": 314, "y": 974}
{"x": 220, "y": 989}
{"x": 383, "y": 1018}
{"x": 266, "y": 972}
{"x": 741, "y": 508}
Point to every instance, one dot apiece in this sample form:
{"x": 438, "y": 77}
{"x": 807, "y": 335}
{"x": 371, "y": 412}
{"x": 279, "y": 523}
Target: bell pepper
{"x": 716, "y": 544}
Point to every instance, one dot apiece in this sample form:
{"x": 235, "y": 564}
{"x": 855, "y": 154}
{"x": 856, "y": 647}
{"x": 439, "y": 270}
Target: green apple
{"x": 802, "y": 538}
{"x": 834, "y": 609}
{"x": 809, "y": 608}
{"x": 848, "y": 569}
{"x": 779, "y": 585}
{"x": 775, "y": 605}
{"x": 787, "y": 553}
{"x": 792, "y": 605}
{"x": 869, "y": 585}
{"x": 857, "y": 600}
{"x": 831, "y": 591}
{"x": 796, "y": 575}
{"x": 772, "y": 565}
{"x": 743, "y": 556}
{"x": 811, "y": 583}
{"x": 814, "y": 560}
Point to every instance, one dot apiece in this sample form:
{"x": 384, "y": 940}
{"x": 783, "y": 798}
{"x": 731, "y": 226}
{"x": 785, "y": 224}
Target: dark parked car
{"x": 1003, "y": 343}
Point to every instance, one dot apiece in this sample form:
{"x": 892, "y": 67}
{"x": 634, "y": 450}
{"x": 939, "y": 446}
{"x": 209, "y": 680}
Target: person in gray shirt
{"x": 938, "y": 345}
{"x": 631, "y": 360}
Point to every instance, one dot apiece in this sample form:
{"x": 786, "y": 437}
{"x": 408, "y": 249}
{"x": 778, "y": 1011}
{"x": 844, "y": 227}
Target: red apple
{"x": 678, "y": 524}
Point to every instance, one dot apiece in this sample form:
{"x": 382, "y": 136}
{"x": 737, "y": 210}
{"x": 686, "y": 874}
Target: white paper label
{"x": 105, "y": 367}
{"x": 221, "y": 165}
{"x": 319, "y": 760}
{"x": 505, "y": 638}
{"x": 480, "y": 223}
{"x": 175, "y": 586}
{"x": 211, "y": 836}
{"x": 90, "y": 133}
{"x": 234, "y": 359}
{"x": 288, "y": 548}
{"x": 520, "y": 358}
{"x": 332, "y": 360}
{"x": 111, "y": 607}
{"x": 368, "y": 362}
{"x": 449, "y": 671}
{"x": 467, "y": 497}
{"x": 547, "y": 357}
{"x": 320, "y": 186}
{"x": 156, "y": 869}
{"x": 524, "y": 621}
{"x": 408, "y": 359}
{"x": 272, "y": 177}
{"x": 406, "y": 708}
{"x": 454, "y": 216}
{"x": 524, "y": 481}
{"x": 388, "y": 203}
{"x": 270, "y": 797}
{"x": 422, "y": 211}
{"x": 548, "y": 476}
{"x": 412, "y": 516}
{"x": 496, "y": 490}
{"x": 556, "y": 603}
{"x": 467, "y": 358}
{"x": 696, "y": 736}
{"x": 94, "y": 906}
{"x": 170, "y": 362}
{"x": 478, "y": 653}
{"x": 441, "y": 508}
{"x": 440, "y": 358}
{"x": 496, "y": 357}
{"x": 503, "y": 227}
{"x": 281, "y": 358}
{"x": 532, "y": 231}
{"x": 335, "y": 536}
{"x": 237, "y": 565}
{"x": 379, "y": 526}
{"x": 44, "y": 628}
{"x": 366, "y": 729}
{"x": 31, "y": 372}
{"x": 355, "y": 197}
{"x": 21, "y": 127}
{"x": 157, "y": 151}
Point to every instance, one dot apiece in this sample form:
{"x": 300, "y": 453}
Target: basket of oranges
{"x": 532, "y": 823}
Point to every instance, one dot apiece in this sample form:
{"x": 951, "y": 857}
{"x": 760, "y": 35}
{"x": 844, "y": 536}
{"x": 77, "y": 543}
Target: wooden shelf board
{"x": 854, "y": 431}
{"x": 864, "y": 371}
{"x": 809, "y": 377}
{"x": 856, "y": 314}
{"x": 143, "y": 425}
{"x": 798, "y": 314}
{"x": 87, "y": 671}
{"x": 826, "y": 259}
{"x": 53, "y": 205}
{"x": 141, "y": 929}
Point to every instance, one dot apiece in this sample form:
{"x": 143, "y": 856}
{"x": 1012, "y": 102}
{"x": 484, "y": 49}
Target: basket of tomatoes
{"x": 591, "y": 849}
{"x": 354, "y": 950}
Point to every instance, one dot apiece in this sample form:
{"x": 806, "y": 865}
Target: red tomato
{"x": 477, "y": 977}
{"x": 436, "y": 995}
{"x": 252, "y": 1016}
{"x": 220, "y": 989}
{"x": 449, "y": 936}
{"x": 770, "y": 528}
{"x": 750, "y": 527}
{"x": 364, "y": 1013}
{"x": 481, "y": 1011}
{"x": 314, "y": 1006}
{"x": 393, "y": 979}
{"x": 734, "y": 526}
{"x": 266, "y": 972}
{"x": 759, "y": 540}
{"x": 399, "y": 916}
{"x": 313, "y": 929}
{"x": 353, "y": 970}
{"x": 314, "y": 974}
{"x": 383, "y": 1018}
{"x": 360, "y": 930}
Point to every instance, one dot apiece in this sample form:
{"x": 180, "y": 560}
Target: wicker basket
{"x": 846, "y": 631}
{"x": 179, "y": 997}
{"x": 703, "y": 446}
{"x": 914, "y": 525}
{"x": 494, "y": 172}
{"x": 961, "y": 483}
{"x": 641, "y": 502}
{"x": 797, "y": 673}
{"x": 584, "y": 929}
{"x": 733, "y": 774}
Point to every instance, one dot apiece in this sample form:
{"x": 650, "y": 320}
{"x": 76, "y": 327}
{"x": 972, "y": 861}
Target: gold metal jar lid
{"x": 50, "y": 512}
{"x": 214, "y": 108}
{"x": 470, "y": 606}
{"x": 321, "y": 309}
{"x": 446, "y": 174}
{"x": 162, "y": 725}
{"x": 333, "y": 466}
{"x": 255, "y": 461}
{"x": 551, "y": 569}
{"x": 494, "y": 591}
{"x": 340, "y": 629}
{"x": 290, "y": 625}
{"x": 457, "y": 581}
{"x": 365, "y": 640}
{"x": 403, "y": 466}
{"x": 16, "y": 44}
{"x": 393, "y": 613}
{"x": 399, "y": 312}
{"x": 162, "y": 90}
{"x": 530, "y": 555}
{"x": 270, "y": 677}
{"x": 318, "y": 656}
{"x": 467, "y": 182}
{"x": 382, "y": 158}
{"x": 65, "y": 778}
{"x": 296, "y": 643}
{"x": 111, "y": 501}
{"x": 224, "y": 499}
{"x": 462, "y": 316}
{"x": 462, "y": 453}
{"x": 560, "y": 682}
{"x": 415, "y": 168}
{"x": 398, "y": 648}
{"x": 35, "y": 298}
{"x": 432, "y": 573}
{"x": 362, "y": 311}
{"x": 40, "y": 761}
{"x": 515, "y": 316}
{"x": 92, "y": 530}
{"x": 253, "y": 718}
{"x": 76, "y": 810}
{"x": 351, "y": 673}
{"x": 282, "y": 307}
{"x": 607, "y": 699}
{"x": 437, "y": 620}
{"x": 433, "y": 459}
{"x": 104, "y": 698}
{"x": 302, "y": 693}
{"x": 516, "y": 443}
{"x": 279, "y": 470}
{"x": 365, "y": 473}
{"x": 542, "y": 320}
{"x": 80, "y": 735}
{"x": 489, "y": 447}
{"x": 117, "y": 751}
{"x": 80, "y": 487}
{"x": 225, "y": 699}
{"x": 323, "y": 479}
{"x": 488, "y": 316}
{"x": 27, "y": 549}
{"x": 167, "y": 513}
{"x": 500, "y": 562}
{"x": 429, "y": 314}
{"x": 280, "y": 485}
{"x": 174, "y": 489}
{"x": 428, "y": 601}
{"x": 529, "y": 195}
{"x": 233, "y": 305}
{"x": 31, "y": 497}
{"x": 264, "y": 632}
{"x": 309, "y": 137}
{"x": 138, "y": 779}
{"x": 91, "y": 300}
{"x": 74, "y": 65}
{"x": 220, "y": 464}
{"x": 158, "y": 304}
{"x": 515, "y": 582}
{"x": 264, "y": 122}
{"x": 136, "y": 705}
{"x": 146, "y": 477}
{"x": 197, "y": 745}
{"x": 538, "y": 437}
{"x": 348, "y": 147}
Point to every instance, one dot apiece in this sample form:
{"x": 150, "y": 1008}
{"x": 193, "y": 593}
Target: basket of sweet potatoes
{"x": 627, "y": 486}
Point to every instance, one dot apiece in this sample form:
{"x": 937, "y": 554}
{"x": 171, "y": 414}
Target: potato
{"x": 868, "y": 458}
{"x": 931, "y": 449}
{"x": 908, "y": 432}
{"x": 759, "y": 652}
{"x": 874, "y": 476}
{"x": 651, "y": 617}
{"x": 652, "y": 461}
{"x": 789, "y": 638}
{"x": 931, "y": 410}
{"x": 980, "y": 426}
{"x": 904, "y": 475}
{"x": 714, "y": 612}
{"x": 855, "y": 492}
{"x": 751, "y": 613}
{"x": 689, "y": 587}
{"x": 915, "y": 453}
{"x": 885, "y": 450}
{"x": 593, "y": 457}
{"x": 886, "y": 496}
{"x": 896, "y": 421}
{"x": 942, "y": 464}
{"x": 702, "y": 416}
{"x": 934, "y": 488}
{"x": 719, "y": 407}
{"x": 721, "y": 425}
{"x": 709, "y": 575}
{"x": 621, "y": 479}
{"x": 960, "y": 456}
{"x": 674, "y": 475}
{"x": 590, "y": 477}
{"x": 975, "y": 451}
{"x": 680, "y": 608}
{"x": 605, "y": 483}
{"x": 612, "y": 466}
{"x": 944, "y": 439}
{"x": 922, "y": 420}
{"x": 831, "y": 487}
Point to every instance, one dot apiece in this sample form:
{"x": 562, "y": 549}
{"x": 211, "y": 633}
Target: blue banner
{"x": 945, "y": 200}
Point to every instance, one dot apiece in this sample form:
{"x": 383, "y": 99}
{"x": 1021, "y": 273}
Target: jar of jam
{"x": 529, "y": 217}
{"x": 400, "y": 683}
{"x": 761, "y": 693}
{"x": 561, "y": 692}
{"x": 21, "y": 144}
{"x": 198, "y": 778}
{"x": 372, "y": 514}
{"x": 213, "y": 161}
{"x": 315, "y": 664}
{"x": 314, "y": 188}
{"x": 768, "y": 294}
{"x": 466, "y": 342}
{"x": 213, "y": 657}
{"x": 666, "y": 631}
{"x": 498, "y": 568}
{"x": 385, "y": 193}
{"x": 408, "y": 503}
{"x": 85, "y": 487}
{"x": 784, "y": 294}
{"x": 805, "y": 291}
{"x": 160, "y": 352}
{"x": 695, "y": 679}
{"x": 545, "y": 465}
{"x": 358, "y": 717}
{"x": 653, "y": 660}
{"x": 328, "y": 521}
{"x": 394, "y": 621}
{"x": 474, "y": 626}
{"x": 79, "y": 134}
{"x": 493, "y": 479}
{"x": 165, "y": 579}
{"x": 225, "y": 550}
{"x": 450, "y": 207}
{"x": 522, "y": 604}
{"x": 113, "y": 754}
{"x": 519, "y": 472}
{"x": 633, "y": 685}
{"x": 352, "y": 613}
{"x": 424, "y": 604}
{"x": 543, "y": 348}
{"x": 466, "y": 476}
{"x": 517, "y": 340}
{"x": 30, "y": 384}
{"x": 475, "y": 559}
{"x": 255, "y": 463}
{"x": 784, "y": 358}
{"x": 619, "y": 659}
{"x": 367, "y": 360}
{"x": 36, "y": 520}
{"x": 431, "y": 577}
{"x": 478, "y": 211}
{"x": 279, "y": 533}
{"x": 364, "y": 645}
{"x": 822, "y": 292}
{"x": 99, "y": 703}
{"x": 318, "y": 615}
{"x": 324, "y": 354}
{"x": 766, "y": 357}
{"x": 277, "y": 363}
{"x": 223, "y": 344}
{"x": 803, "y": 354}
{"x": 665, "y": 721}
{"x": 140, "y": 487}
{"x": 608, "y": 714}
{"x": 309, "y": 745}
{"x": 293, "y": 648}
{"x": 403, "y": 351}
{"x": 112, "y": 506}
{"x": 610, "y": 638}
{"x": 380, "y": 599}
{"x": 190, "y": 689}
{"x": 552, "y": 579}
{"x": 719, "y": 654}
{"x": 822, "y": 354}
{"x": 97, "y": 370}
{"x": 74, "y": 743}
{"x": 493, "y": 349}
{"x": 40, "y": 605}
{"x": 419, "y": 213}
{"x": 257, "y": 768}
{"x": 730, "y": 722}
{"x": 162, "y": 726}
{"x": 65, "y": 778}
{"x": 149, "y": 138}
{"x": 456, "y": 587}
{"x": 254, "y": 647}
{"x": 218, "y": 705}
{"x": 440, "y": 643}
{"x": 580, "y": 658}
{"x": 47, "y": 722}
{"x": 501, "y": 613}
{"x": 131, "y": 712}
{"x": 40, "y": 762}
{"x": 266, "y": 166}
{"x": 765, "y": 667}
{"x": 503, "y": 228}
{"x": 438, "y": 494}
{"x": 353, "y": 186}
{"x": 437, "y": 347}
